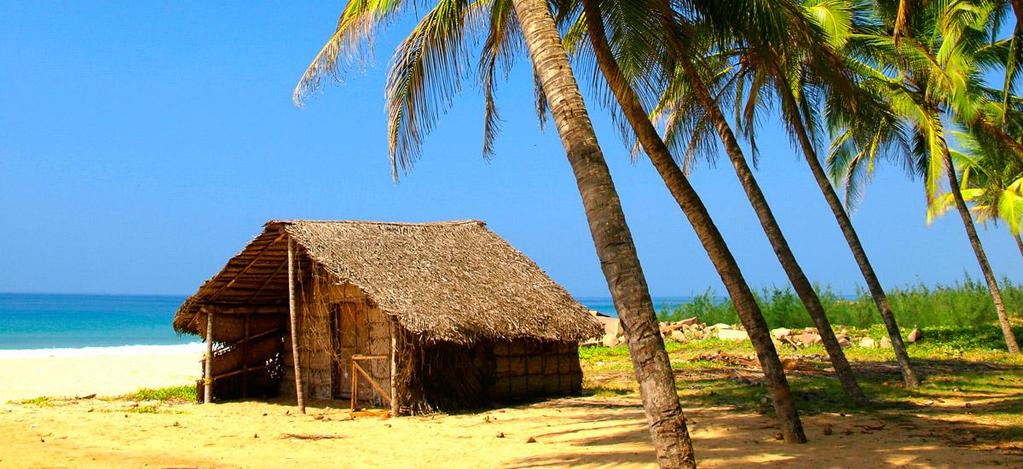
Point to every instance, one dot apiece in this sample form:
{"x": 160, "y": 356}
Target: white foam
{"x": 119, "y": 351}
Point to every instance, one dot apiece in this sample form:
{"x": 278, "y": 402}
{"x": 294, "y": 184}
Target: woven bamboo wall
{"x": 361, "y": 328}
{"x": 526, "y": 369}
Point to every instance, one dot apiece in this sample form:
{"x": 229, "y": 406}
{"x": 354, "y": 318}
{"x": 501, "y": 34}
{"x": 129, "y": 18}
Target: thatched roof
{"x": 454, "y": 281}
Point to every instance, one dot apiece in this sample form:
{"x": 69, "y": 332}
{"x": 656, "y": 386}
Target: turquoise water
{"x": 29, "y": 321}
{"x": 34, "y": 321}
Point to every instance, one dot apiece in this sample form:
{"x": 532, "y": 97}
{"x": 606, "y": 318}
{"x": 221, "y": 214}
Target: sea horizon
{"x": 53, "y": 324}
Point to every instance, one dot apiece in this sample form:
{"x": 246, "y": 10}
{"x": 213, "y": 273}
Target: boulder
{"x": 732, "y": 334}
{"x": 720, "y": 326}
{"x": 780, "y": 332}
{"x": 885, "y": 343}
{"x": 678, "y": 336}
{"x": 867, "y": 342}
{"x": 689, "y": 321}
{"x": 610, "y": 340}
{"x": 806, "y": 338}
{"x": 844, "y": 342}
{"x": 914, "y": 336}
{"x": 612, "y": 326}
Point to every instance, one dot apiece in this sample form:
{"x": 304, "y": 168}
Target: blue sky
{"x": 143, "y": 143}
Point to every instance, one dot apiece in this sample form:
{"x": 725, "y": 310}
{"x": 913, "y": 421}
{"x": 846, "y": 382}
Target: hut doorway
{"x": 358, "y": 331}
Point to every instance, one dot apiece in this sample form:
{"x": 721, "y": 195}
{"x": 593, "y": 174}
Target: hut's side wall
{"x": 526, "y": 369}
{"x": 447, "y": 376}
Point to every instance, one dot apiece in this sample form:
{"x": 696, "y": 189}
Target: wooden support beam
{"x": 224, "y": 308}
{"x": 267, "y": 281}
{"x": 207, "y": 393}
{"x": 394, "y": 368}
{"x": 245, "y": 360}
{"x": 293, "y": 312}
{"x": 251, "y": 263}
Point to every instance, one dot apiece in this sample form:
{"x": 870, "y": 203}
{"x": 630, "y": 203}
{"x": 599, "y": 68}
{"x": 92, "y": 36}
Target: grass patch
{"x": 41, "y": 401}
{"x": 957, "y": 365}
{"x": 174, "y": 394}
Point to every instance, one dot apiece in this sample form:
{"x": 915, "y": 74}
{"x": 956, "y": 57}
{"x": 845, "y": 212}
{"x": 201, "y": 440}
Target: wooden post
{"x": 394, "y": 369}
{"x": 245, "y": 360}
{"x": 294, "y": 325}
{"x": 207, "y": 381}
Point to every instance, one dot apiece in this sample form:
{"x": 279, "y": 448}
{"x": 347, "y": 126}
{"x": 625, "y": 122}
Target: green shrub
{"x": 966, "y": 303}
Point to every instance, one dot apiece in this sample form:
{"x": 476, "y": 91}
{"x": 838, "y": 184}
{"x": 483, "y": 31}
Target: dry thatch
{"x": 450, "y": 281}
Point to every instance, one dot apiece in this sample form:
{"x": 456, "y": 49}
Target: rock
{"x": 827, "y": 429}
{"x": 689, "y": 321}
{"x": 806, "y": 338}
{"x": 780, "y": 332}
{"x": 914, "y": 336}
{"x": 844, "y": 342}
{"x": 610, "y": 340}
{"x": 867, "y": 342}
{"x": 885, "y": 343}
{"x": 719, "y": 326}
{"x": 531, "y": 440}
{"x": 732, "y": 334}
{"x": 678, "y": 336}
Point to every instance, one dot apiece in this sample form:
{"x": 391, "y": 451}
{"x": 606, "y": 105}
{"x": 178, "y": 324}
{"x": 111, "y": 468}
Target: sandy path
{"x": 585, "y": 432}
{"x": 106, "y": 373}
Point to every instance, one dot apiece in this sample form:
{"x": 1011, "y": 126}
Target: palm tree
{"x": 769, "y": 21}
{"x": 436, "y": 42}
{"x": 937, "y": 57}
{"x": 690, "y": 203}
{"x": 988, "y": 179}
{"x": 796, "y": 76}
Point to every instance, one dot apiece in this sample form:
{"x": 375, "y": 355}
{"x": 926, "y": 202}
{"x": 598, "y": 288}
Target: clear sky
{"x": 143, "y": 143}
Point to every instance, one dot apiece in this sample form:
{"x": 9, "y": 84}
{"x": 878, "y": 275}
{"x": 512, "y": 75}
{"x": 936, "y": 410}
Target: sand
{"x": 583, "y": 432}
{"x": 107, "y": 371}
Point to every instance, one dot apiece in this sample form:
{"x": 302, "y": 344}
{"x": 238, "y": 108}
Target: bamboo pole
{"x": 207, "y": 392}
{"x": 245, "y": 360}
{"x": 294, "y": 325}
{"x": 394, "y": 369}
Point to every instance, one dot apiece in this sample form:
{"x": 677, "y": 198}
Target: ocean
{"x": 73, "y": 322}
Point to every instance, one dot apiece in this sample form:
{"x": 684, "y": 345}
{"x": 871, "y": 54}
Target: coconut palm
{"x": 988, "y": 179}
{"x": 421, "y": 79}
{"x": 802, "y": 80}
{"x": 688, "y": 200}
{"x": 694, "y": 106}
{"x": 931, "y": 72}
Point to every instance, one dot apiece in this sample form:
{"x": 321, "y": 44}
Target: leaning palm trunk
{"x": 610, "y": 233}
{"x": 781, "y": 248}
{"x": 1019, "y": 243}
{"x": 978, "y": 250}
{"x": 687, "y": 198}
{"x": 851, "y": 238}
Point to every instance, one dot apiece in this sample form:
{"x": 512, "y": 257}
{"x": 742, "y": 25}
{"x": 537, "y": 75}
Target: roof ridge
{"x": 387, "y": 223}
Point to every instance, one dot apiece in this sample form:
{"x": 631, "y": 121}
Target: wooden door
{"x": 351, "y": 334}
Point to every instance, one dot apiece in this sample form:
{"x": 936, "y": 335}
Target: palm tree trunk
{"x": 687, "y": 198}
{"x": 978, "y": 250}
{"x": 611, "y": 235}
{"x": 851, "y": 237}
{"x": 781, "y": 248}
{"x": 1019, "y": 243}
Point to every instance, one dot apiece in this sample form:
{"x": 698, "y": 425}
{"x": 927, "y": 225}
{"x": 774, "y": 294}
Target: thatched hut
{"x": 417, "y": 316}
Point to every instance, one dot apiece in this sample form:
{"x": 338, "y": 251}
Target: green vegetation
{"x": 172, "y": 394}
{"x": 963, "y": 304}
{"x": 41, "y": 401}
{"x": 720, "y": 373}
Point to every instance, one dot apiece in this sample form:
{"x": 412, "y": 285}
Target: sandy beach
{"x": 580, "y": 432}
{"x": 104, "y": 371}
